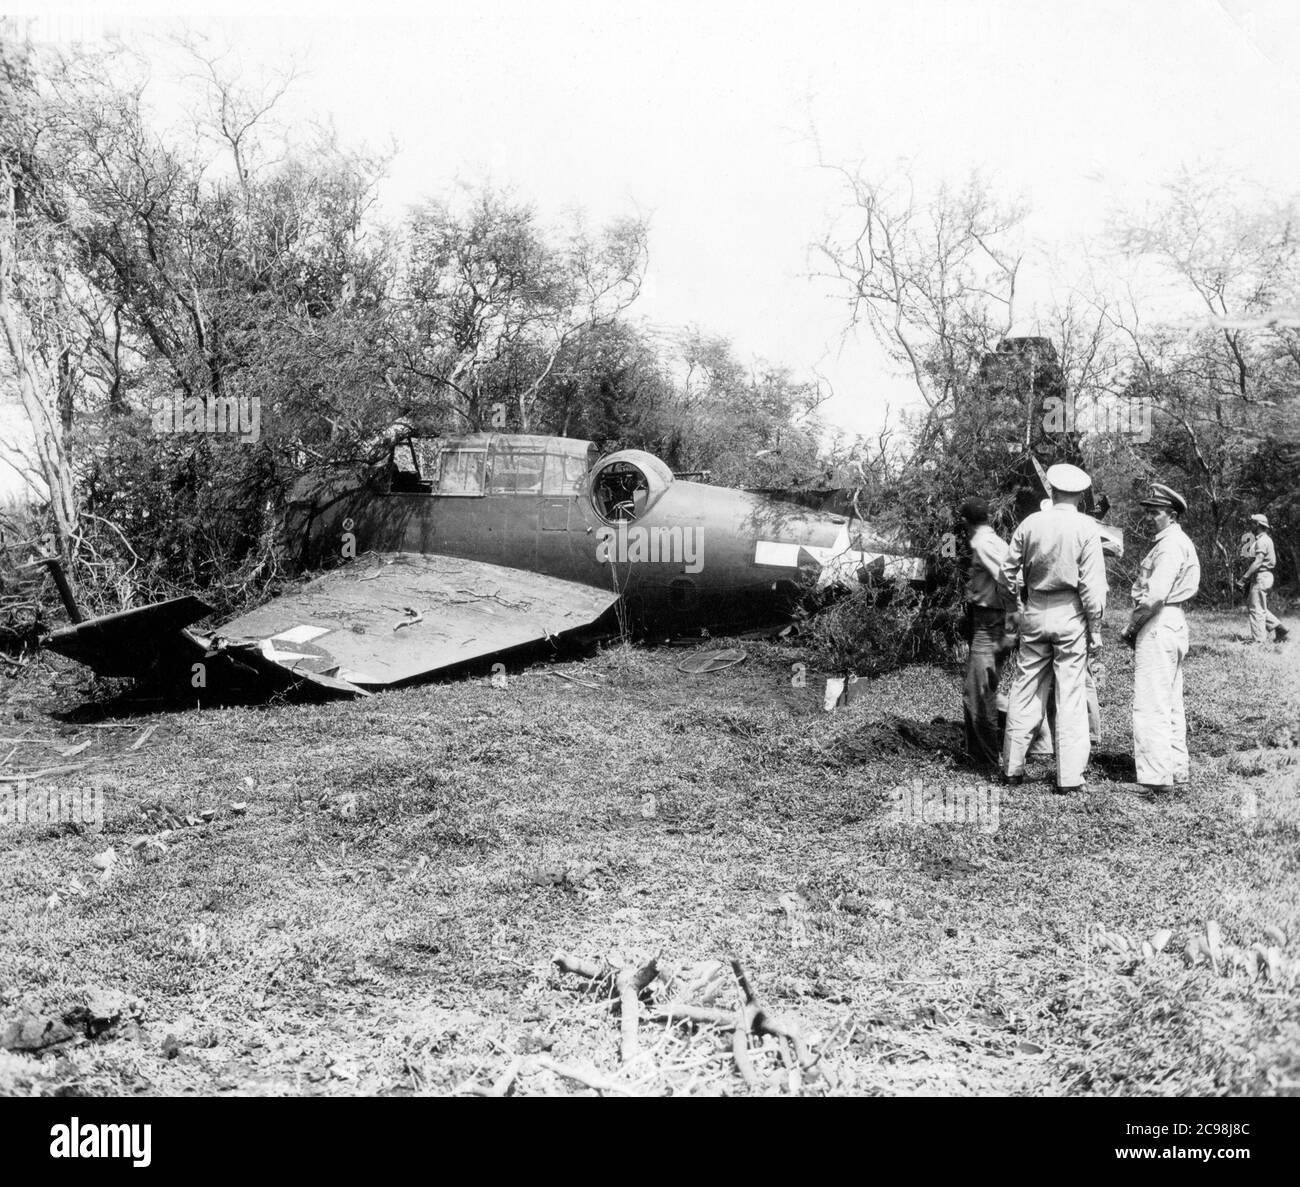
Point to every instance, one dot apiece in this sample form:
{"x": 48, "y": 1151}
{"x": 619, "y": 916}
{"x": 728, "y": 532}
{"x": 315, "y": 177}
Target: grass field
{"x": 382, "y": 917}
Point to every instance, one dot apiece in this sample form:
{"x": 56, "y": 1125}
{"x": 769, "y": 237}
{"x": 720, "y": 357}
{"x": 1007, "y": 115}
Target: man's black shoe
{"x": 1066, "y": 790}
{"x": 1280, "y": 634}
{"x": 1013, "y": 780}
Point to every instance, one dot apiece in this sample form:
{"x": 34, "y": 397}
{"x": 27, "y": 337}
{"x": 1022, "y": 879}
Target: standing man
{"x": 1259, "y": 580}
{"x": 1059, "y": 552}
{"x": 1169, "y": 575}
{"x": 994, "y": 621}
{"x": 1043, "y": 744}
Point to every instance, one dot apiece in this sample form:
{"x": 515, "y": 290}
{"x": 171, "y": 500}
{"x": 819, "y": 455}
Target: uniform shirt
{"x": 1059, "y": 549}
{"x": 988, "y": 551}
{"x": 1266, "y": 553}
{"x": 1169, "y": 573}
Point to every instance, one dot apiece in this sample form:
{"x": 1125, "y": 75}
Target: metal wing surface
{"x": 390, "y": 617}
{"x": 124, "y": 643}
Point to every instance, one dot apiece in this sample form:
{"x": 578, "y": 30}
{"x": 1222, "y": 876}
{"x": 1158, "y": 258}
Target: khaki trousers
{"x": 1053, "y": 645}
{"x": 1044, "y": 743}
{"x": 1261, "y": 619}
{"x": 1159, "y": 727}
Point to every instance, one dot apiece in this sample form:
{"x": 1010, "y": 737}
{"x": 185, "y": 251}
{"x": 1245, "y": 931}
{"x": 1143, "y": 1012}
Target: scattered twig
{"x": 630, "y": 983}
{"x": 701, "y": 1014}
{"x": 572, "y": 679}
{"x": 626, "y": 985}
{"x": 45, "y": 772}
{"x": 590, "y": 1079}
{"x": 143, "y": 738}
{"x": 580, "y": 967}
{"x": 740, "y": 1048}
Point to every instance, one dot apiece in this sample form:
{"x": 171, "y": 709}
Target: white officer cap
{"x": 1068, "y": 479}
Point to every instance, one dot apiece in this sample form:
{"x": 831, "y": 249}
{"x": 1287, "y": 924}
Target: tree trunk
{"x": 40, "y": 397}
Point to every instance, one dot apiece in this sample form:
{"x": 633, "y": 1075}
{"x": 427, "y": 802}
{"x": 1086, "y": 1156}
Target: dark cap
{"x": 1165, "y": 496}
{"x": 974, "y": 510}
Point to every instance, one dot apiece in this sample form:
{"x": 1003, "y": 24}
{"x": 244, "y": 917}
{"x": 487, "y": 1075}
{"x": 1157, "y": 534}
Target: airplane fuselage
{"x": 684, "y": 555}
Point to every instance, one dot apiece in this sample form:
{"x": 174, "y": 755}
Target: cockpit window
{"x": 515, "y": 474}
{"x": 564, "y": 474}
{"x": 462, "y": 471}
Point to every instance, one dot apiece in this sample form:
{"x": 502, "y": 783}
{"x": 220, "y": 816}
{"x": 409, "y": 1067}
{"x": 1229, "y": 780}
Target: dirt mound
{"x": 901, "y": 736}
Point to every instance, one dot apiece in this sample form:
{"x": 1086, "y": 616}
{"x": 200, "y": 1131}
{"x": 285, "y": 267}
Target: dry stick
{"x": 745, "y": 1017}
{"x": 500, "y": 1086}
{"x": 143, "y": 738}
{"x": 583, "y": 968}
{"x": 703, "y": 1014}
{"x": 751, "y": 998}
{"x": 740, "y": 1047}
{"x": 590, "y": 1079}
{"x": 630, "y": 983}
{"x": 44, "y": 772}
{"x": 786, "y": 1030}
{"x": 574, "y": 680}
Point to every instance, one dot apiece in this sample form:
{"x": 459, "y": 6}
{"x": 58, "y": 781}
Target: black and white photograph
{"x": 651, "y": 550}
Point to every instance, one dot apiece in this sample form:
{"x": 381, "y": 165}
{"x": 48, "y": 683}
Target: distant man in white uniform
{"x": 1259, "y": 580}
{"x": 1169, "y": 576}
{"x": 1059, "y": 554}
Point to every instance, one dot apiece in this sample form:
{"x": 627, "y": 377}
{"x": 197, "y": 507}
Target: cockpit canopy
{"x": 622, "y": 486}
{"x": 492, "y": 464}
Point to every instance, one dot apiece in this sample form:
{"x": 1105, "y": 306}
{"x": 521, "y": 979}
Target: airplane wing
{"x": 122, "y": 644}
{"x": 390, "y": 617}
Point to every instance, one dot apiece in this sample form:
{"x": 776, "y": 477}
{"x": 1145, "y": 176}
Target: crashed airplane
{"x": 460, "y": 550}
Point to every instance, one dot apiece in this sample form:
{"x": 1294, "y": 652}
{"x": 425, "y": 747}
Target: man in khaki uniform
{"x": 994, "y": 622}
{"x": 1259, "y": 580}
{"x": 1059, "y": 552}
{"x": 1044, "y": 742}
{"x": 1169, "y": 576}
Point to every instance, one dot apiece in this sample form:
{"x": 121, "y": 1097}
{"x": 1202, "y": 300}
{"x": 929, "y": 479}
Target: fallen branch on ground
{"x": 627, "y": 984}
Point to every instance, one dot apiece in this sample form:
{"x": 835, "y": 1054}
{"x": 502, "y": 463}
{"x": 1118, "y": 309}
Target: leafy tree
{"x": 491, "y": 303}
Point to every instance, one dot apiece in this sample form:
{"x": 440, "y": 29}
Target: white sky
{"x": 699, "y": 115}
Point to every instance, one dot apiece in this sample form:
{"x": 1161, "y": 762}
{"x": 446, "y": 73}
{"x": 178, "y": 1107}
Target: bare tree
{"x": 933, "y": 278}
{"x": 1225, "y": 384}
